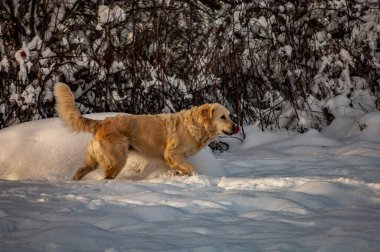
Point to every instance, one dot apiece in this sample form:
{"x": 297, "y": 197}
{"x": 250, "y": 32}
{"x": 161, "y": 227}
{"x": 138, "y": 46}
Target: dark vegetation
{"x": 282, "y": 64}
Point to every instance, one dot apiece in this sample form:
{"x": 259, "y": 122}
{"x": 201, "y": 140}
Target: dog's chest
{"x": 190, "y": 147}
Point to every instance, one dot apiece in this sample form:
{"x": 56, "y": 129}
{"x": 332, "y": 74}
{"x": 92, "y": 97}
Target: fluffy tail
{"x": 65, "y": 106}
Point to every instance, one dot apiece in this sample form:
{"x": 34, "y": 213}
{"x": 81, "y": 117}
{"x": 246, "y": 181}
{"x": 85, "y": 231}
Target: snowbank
{"x": 279, "y": 192}
{"x": 47, "y": 150}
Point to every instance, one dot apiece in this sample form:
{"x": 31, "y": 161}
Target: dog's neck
{"x": 195, "y": 128}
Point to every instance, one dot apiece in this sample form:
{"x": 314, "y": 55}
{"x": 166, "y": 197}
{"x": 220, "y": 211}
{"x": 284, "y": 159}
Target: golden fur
{"x": 169, "y": 136}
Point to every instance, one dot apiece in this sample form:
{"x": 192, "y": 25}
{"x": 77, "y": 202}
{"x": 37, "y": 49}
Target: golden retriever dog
{"x": 171, "y": 137}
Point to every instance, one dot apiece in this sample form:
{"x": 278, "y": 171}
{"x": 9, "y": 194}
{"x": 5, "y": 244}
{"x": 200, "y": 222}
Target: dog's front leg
{"x": 178, "y": 163}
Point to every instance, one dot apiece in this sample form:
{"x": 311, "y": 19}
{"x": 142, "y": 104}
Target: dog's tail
{"x": 68, "y": 112}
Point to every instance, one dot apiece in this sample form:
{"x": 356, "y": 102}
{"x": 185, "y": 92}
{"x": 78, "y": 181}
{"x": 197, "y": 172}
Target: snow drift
{"x": 278, "y": 192}
{"x": 54, "y": 152}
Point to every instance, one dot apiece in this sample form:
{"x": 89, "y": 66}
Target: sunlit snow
{"x": 276, "y": 191}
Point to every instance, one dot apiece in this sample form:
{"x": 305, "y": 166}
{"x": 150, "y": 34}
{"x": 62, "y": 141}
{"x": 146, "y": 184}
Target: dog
{"x": 171, "y": 137}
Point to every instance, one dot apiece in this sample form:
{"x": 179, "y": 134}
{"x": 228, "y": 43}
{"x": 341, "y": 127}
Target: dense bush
{"x": 285, "y": 64}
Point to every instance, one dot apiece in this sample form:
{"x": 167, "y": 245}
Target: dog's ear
{"x": 206, "y": 112}
{"x": 204, "y": 115}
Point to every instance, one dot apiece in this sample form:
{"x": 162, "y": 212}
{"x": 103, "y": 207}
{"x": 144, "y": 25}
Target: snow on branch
{"x": 292, "y": 64}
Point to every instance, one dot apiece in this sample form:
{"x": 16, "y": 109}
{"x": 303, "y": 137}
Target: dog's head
{"x": 217, "y": 117}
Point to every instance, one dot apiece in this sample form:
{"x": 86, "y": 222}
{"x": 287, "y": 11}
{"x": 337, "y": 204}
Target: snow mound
{"x": 365, "y": 127}
{"x": 48, "y": 150}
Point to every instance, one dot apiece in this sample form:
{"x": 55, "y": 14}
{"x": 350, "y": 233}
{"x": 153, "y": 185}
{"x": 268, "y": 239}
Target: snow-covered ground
{"x": 274, "y": 192}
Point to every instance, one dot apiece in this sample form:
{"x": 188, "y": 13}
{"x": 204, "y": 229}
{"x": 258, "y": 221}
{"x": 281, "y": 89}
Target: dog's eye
{"x": 223, "y": 117}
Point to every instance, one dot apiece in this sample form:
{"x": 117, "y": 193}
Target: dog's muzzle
{"x": 234, "y": 130}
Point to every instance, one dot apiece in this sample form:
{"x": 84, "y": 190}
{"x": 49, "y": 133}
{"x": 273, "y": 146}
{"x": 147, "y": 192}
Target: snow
{"x": 4, "y": 64}
{"x": 329, "y": 50}
{"x": 107, "y": 15}
{"x": 20, "y": 57}
{"x": 276, "y": 191}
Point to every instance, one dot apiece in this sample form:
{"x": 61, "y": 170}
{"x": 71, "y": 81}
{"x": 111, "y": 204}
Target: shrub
{"x": 284, "y": 64}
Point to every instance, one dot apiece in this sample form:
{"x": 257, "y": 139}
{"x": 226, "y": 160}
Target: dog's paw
{"x": 171, "y": 173}
{"x": 180, "y": 173}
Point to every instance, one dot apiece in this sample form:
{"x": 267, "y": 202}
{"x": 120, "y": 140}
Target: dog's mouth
{"x": 233, "y": 131}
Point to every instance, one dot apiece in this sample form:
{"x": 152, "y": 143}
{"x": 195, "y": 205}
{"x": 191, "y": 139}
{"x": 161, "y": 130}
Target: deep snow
{"x": 274, "y": 192}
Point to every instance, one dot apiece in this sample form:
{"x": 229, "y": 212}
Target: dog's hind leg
{"x": 114, "y": 157}
{"x": 116, "y": 164}
{"x": 90, "y": 165}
